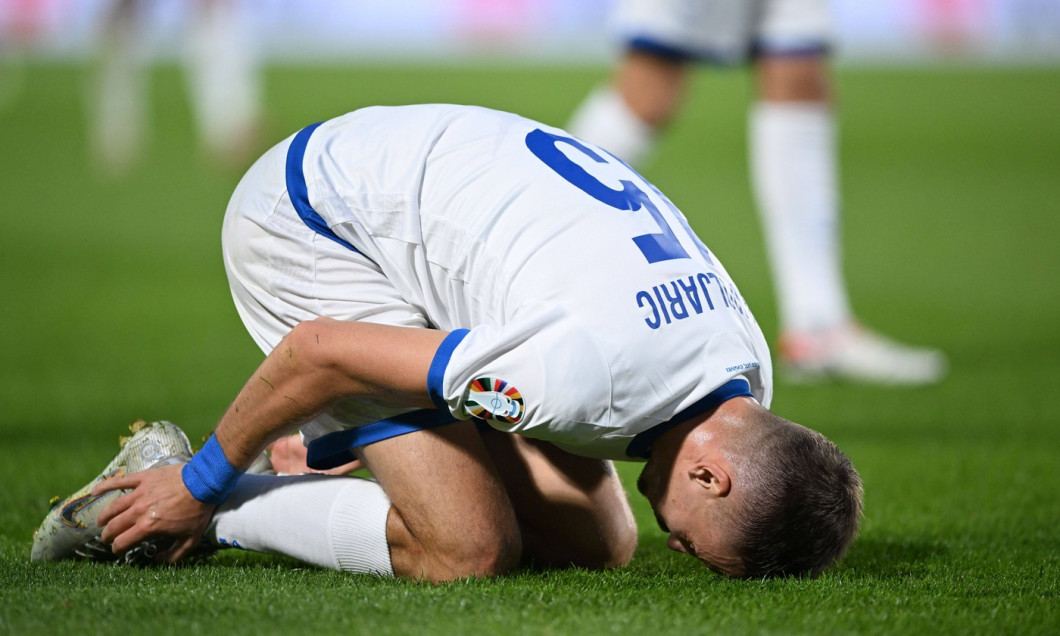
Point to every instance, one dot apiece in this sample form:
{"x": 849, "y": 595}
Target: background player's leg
{"x": 625, "y": 116}
{"x": 793, "y": 151}
{"x": 571, "y": 510}
{"x": 118, "y": 93}
{"x": 224, "y": 80}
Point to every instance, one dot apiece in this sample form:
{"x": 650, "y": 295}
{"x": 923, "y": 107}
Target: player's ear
{"x": 711, "y": 477}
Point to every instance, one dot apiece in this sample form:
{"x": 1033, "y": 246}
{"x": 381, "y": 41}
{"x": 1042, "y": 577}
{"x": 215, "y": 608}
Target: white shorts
{"x": 724, "y": 31}
{"x": 281, "y": 273}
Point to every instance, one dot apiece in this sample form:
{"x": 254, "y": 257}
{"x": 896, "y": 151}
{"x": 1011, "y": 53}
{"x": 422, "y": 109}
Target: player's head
{"x": 754, "y": 495}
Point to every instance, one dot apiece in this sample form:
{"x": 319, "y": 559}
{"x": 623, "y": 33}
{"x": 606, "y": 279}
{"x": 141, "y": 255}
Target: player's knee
{"x": 621, "y": 547}
{"x": 618, "y": 531}
{"x": 615, "y": 549}
{"x": 496, "y": 557}
{"x": 481, "y": 555}
{"x": 593, "y": 546}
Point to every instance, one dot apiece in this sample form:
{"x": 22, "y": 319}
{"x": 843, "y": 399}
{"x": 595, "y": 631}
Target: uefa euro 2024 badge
{"x": 494, "y": 399}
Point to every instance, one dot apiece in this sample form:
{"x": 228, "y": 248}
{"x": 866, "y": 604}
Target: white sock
{"x": 604, "y": 119}
{"x": 223, "y": 78}
{"x": 332, "y": 522}
{"x": 793, "y": 169}
{"x": 121, "y": 92}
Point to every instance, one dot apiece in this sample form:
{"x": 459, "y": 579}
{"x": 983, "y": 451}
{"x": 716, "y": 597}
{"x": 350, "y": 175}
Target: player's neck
{"x": 704, "y": 432}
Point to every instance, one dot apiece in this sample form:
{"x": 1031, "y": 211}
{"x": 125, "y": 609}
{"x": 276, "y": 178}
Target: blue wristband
{"x": 209, "y": 476}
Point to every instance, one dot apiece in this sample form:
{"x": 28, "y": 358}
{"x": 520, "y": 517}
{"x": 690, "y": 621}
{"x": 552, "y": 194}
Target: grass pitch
{"x": 115, "y": 306}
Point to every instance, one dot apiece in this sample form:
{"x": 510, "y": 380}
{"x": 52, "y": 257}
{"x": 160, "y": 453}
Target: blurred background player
{"x": 223, "y": 78}
{"x": 793, "y": 160}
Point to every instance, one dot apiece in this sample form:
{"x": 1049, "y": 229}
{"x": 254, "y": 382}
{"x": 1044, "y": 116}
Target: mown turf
{"x": 113, "y": 305}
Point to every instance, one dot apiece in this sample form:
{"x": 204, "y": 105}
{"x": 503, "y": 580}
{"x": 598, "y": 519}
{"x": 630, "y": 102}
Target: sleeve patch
{"x": 493, "y": 399}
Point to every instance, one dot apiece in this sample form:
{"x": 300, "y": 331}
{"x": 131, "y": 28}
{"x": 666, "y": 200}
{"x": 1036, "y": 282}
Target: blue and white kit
{"x": 724, "y": 31}
{"x": 582, "y": 310}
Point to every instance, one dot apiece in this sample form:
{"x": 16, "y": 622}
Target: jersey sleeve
{"x": 540, "y": 375}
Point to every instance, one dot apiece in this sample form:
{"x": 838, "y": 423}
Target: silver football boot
{"x": 71, "y": 529}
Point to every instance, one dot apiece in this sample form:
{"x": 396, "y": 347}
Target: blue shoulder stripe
{"x": 299, "y": 193}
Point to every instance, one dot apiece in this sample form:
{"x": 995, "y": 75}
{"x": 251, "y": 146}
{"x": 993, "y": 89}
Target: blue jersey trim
{"x": 299, "y": 192}
{"x": 436, "y": 373}
{"x": 759, "y": 49}
{"x": 641, "y": 445}
{"x": 335, "y": 449}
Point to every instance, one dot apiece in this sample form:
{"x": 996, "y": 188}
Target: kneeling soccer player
{"x": 486, "y": 311}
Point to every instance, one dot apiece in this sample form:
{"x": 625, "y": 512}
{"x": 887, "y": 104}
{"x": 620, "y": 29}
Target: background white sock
{"x": 328, "y": 521}
{"x": 223, "y": 79}
{"x": 793, "y": 170}
{"x": 604, "y": 119}
{"x": 118, "y": 103}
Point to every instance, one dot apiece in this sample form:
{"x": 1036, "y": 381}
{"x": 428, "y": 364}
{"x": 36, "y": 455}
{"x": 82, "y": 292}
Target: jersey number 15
{"x": 661, "y": 246}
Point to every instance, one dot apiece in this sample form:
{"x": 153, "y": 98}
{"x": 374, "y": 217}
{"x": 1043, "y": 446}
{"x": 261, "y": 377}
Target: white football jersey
{"x": 584, "y": 310}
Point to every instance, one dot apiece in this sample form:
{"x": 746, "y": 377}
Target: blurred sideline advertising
{"x": 1021, "y": 31}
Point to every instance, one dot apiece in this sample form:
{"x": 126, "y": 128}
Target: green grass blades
{"x": 115, "y": 306}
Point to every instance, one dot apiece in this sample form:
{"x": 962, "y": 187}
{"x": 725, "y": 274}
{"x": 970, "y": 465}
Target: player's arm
{"x": 319, "y": 362}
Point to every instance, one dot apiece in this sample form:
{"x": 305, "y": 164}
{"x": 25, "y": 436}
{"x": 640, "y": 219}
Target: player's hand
{"x": 158, "y": 505}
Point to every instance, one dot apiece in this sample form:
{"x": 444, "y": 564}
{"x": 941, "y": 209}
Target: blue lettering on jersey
{"x": 662, "y": 304}
{"x": 753, "y": 364}
{"x": 676, "y": 301}
{"x": 667, "y": 302}
{"x": 644, "y": 299}
{"x": 680, "y": 299}
{"x": 692, "y": 294}
{"x": 662, "y": 246}
{"x": 703, "y": 280}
